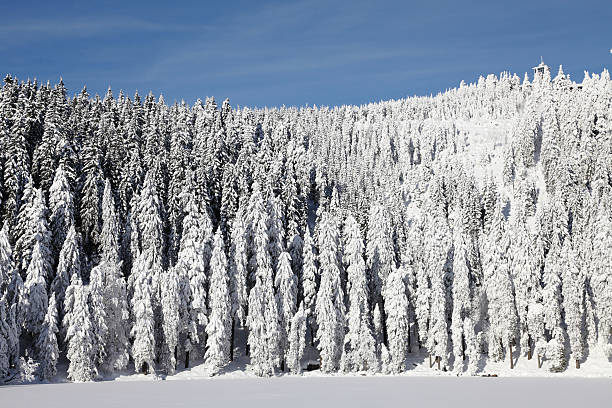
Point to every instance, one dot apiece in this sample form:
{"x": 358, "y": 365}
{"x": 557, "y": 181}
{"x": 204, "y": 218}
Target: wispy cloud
{"x": 88, "y": 27}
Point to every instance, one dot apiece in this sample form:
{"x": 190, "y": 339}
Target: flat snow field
{"x": 318, "y": 392}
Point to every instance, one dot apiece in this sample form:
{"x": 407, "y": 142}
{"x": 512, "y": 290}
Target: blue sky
{"x": 296, "y": 53}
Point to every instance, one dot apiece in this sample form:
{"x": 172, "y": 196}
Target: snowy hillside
{"x": 467, "y": 233}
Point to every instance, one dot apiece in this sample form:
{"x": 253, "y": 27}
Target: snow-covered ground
{"x": 399, "y": 391}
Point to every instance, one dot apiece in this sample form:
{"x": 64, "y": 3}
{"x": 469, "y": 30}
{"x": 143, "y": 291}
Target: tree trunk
{"x": 175, "y": 354}
{"x": 539, "y": 361}
{"x": 232, "y": 340}
{"x": 511, "y": 358}
{"x": 187, "y": 359}
{"x": 463, "y": 346}
{"x": 145, "y": 368}
{"x": 577, "y": 363}
{"x": 383, "y": 316}
{"x": 409, "y": 348}
{"x": 438, "y": 361}
{"x": 529, "y": 345}
{"x": 430, "y": 363}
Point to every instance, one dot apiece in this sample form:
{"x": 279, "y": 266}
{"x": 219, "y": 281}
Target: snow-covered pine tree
{"x": 422, "y": 292}
{"x": 359, "y": 353}
{"x": 379, "y": 252}
{"x": 309, "y": 283}
{"x": 462, "y": 326}
{"x": 192, "y": 269}
{"x": 24, "y": 228}
{"x": 262, "y": 321}
{"x": 35, "y": 288}
{"x": 69, "y": 264}
{"x": 286, "y": 297}
{"x": 219, "y": 327}
{"x": 46, "y": 343}
{"x": 147, "y": 270}
{"x": 573, "y": 301}
{"x": 10, "y": 280}
{"x": 503, "y": 320}
{"x": 170, "y": 302}
{"x": 114, "y": 291}
{"x": 37, "y": 230}
{"x": 9, "y": 338}
{"x": 329, "y": 308}
{"x": 61, "y": 204}
{"x": 525, "y": 273}
{"x": 16, "y": 169}
{"x": 238, "y": 272}
{"x": 80, "y": 337}
{"x": 98, "y": 317}
{"x": 396, "y": 306}
{"x": 297, "y": 341}
{"x": 552, "y": 302}
{"x": 436, "y": 340}
{"x": 602, "y": 273}
{"x": 91, "y": 192}
{"x": 276, "y": 232}
{"x": 143, "y": 330}
{"x": 44, "y": 160}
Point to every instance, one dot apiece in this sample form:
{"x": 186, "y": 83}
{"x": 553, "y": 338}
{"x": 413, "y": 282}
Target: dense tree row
{"x": 142, "y": 236}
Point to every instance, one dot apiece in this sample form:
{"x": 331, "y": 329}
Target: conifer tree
{"x": 573, "y": 288}
{"x": 7, "y": 268}
{"x": 98, "y": 316}
{"x": 69, "y": 264}
{"x": 143, "y": 347}
{"x": 436, "y": 335}
{"x": 286, "y": 297}
{"x": 602, "y": 272}
{"x": 238, "y": 262}
{"x": 48, "y": 350}
{"x": 501, "y": 307}
{"x": 309, "y": 283}
{"x": 396, "y": 305}
{"x": 35, "y": 289}
{"x": 192, "y": 270}
{"x": 9, "y": 337}
{"x": 114, "y": 292}
{"x": 218, "y": 328}
{"x": 379, "y": 250}
{"x": 36, "y": 229}
{"x": 80, "y": 337}
{"x": 263, "y": 319}
{"x": 359, "y": 344}
{"x": 461, "y": 320}
{"x": 170, "y": 301}
{"x": 297, "y": 341}
{"x": 62, "y": 210}
{"x": 24, "y": 228}
{"x": 276, "y": 233}
{"x": 329, "y": 306}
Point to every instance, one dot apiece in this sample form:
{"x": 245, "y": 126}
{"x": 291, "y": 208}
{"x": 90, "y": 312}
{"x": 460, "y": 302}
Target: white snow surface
{"x": 287, "y": 391}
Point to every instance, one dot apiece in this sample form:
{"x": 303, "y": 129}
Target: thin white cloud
{"x": 88, "y": 27}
